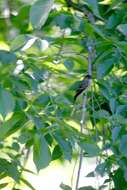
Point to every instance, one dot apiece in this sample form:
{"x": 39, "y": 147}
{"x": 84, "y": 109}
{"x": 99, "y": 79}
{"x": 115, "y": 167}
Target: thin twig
{"x": 90, "y": 48}
{"x": 81, "y": 130}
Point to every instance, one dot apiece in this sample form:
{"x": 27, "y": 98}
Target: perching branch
{"x": 82, "y": 122}
{"x": 91, "y": 56}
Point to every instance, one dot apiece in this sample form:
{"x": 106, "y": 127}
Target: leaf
{"x": 115, "y": 133}
{"x": 27, "y": 183}
{"x": 123, "y": 29}
{"x": 3, "y": 185}
{"x": 125, "y": 174}
{"x": 122, "y": 110}
{"x": 105, "y": 67}
{"x": 64, "y": 145}
{"x": 101, "y": 114}
{"x": 7, "y": 57}
{"x": 101, "y": 169}
{"x": 98, "y": 31}
{"x": 6, "y": 126}
{"x": 22, "y": 40}
{"x": 43, "y": 100}
{"x": 123, "y": 145}
{"x": 113, "y": 105}
{"x": 91, "y": 174}
{"x": 39, "y": 12}
{"x": 41, "y": 152}
{"x": 118, "y": 179}
{"x": 10, "y": 168}
{"x": 18, "y": 42}
{"x": 7, "y": 102}
{"x": 93, "y": 4}
{"x": 57, "y": 152}
{"x": 113, "y": 21}
{"x": 90, "y": 148}
{"x": 65, "y": 187}
{"x": 69, "y": 64}
{"x": 87, "y": 188}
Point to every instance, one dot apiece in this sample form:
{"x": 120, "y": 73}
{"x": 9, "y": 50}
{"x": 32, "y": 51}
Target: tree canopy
{"x": 46, "y": 48}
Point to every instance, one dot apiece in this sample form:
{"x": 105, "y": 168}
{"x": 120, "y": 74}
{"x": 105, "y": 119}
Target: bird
{"x": 83, "y": 86}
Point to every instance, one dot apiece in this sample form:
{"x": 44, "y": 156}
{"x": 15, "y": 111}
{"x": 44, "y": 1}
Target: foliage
{"x": 43, "y": 55}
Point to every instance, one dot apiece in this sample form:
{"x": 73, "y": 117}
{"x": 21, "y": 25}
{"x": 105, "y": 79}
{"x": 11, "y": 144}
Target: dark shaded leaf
{"x": 65, "y": 187}
{"x": 91, "y": 174}
{"x": 86, "y": 188}
{"x": 57, "y": 152}
{"x": 3, "y": 185}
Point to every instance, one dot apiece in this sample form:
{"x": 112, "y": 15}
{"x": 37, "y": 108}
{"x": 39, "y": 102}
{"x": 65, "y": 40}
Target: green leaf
{"x": 27, "y": 183}
{"x": 39, "y": 12}
{"x": 7, "y": 102}
{"x": 64, "y": 145}
{"x": 91, "y": 174}
{"x": 57, "y": 152}
{"x": 123, "y": 145}
{"x": 69, "y": 64}
{"x": 3, "y": 185}
{"x": 20, "y": 41}
{"x": 113, "y": 105}
{"x": 90, "y": 148}
{"x": 101, "y": 169}
{"x": 7, "y": 57}
{"x": 10, "y": 168}
{"x": 118, "y": 179}
{"x": 104, "y": 68}
{"x": 7, "y": 126}
{"x": 65, "y": 187}
{"x": 41, "y": 152}
{"x": 87, "y": 188}
{"x": 98, "y": 31}
{"x": 115, "y": 133}
{"x": 122, "y": 110}
{"x": 101, "y": 114}
{"x": 93, "y": 5}
{"x": 123, "y": 29}
{"x": 113, "y": 20}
